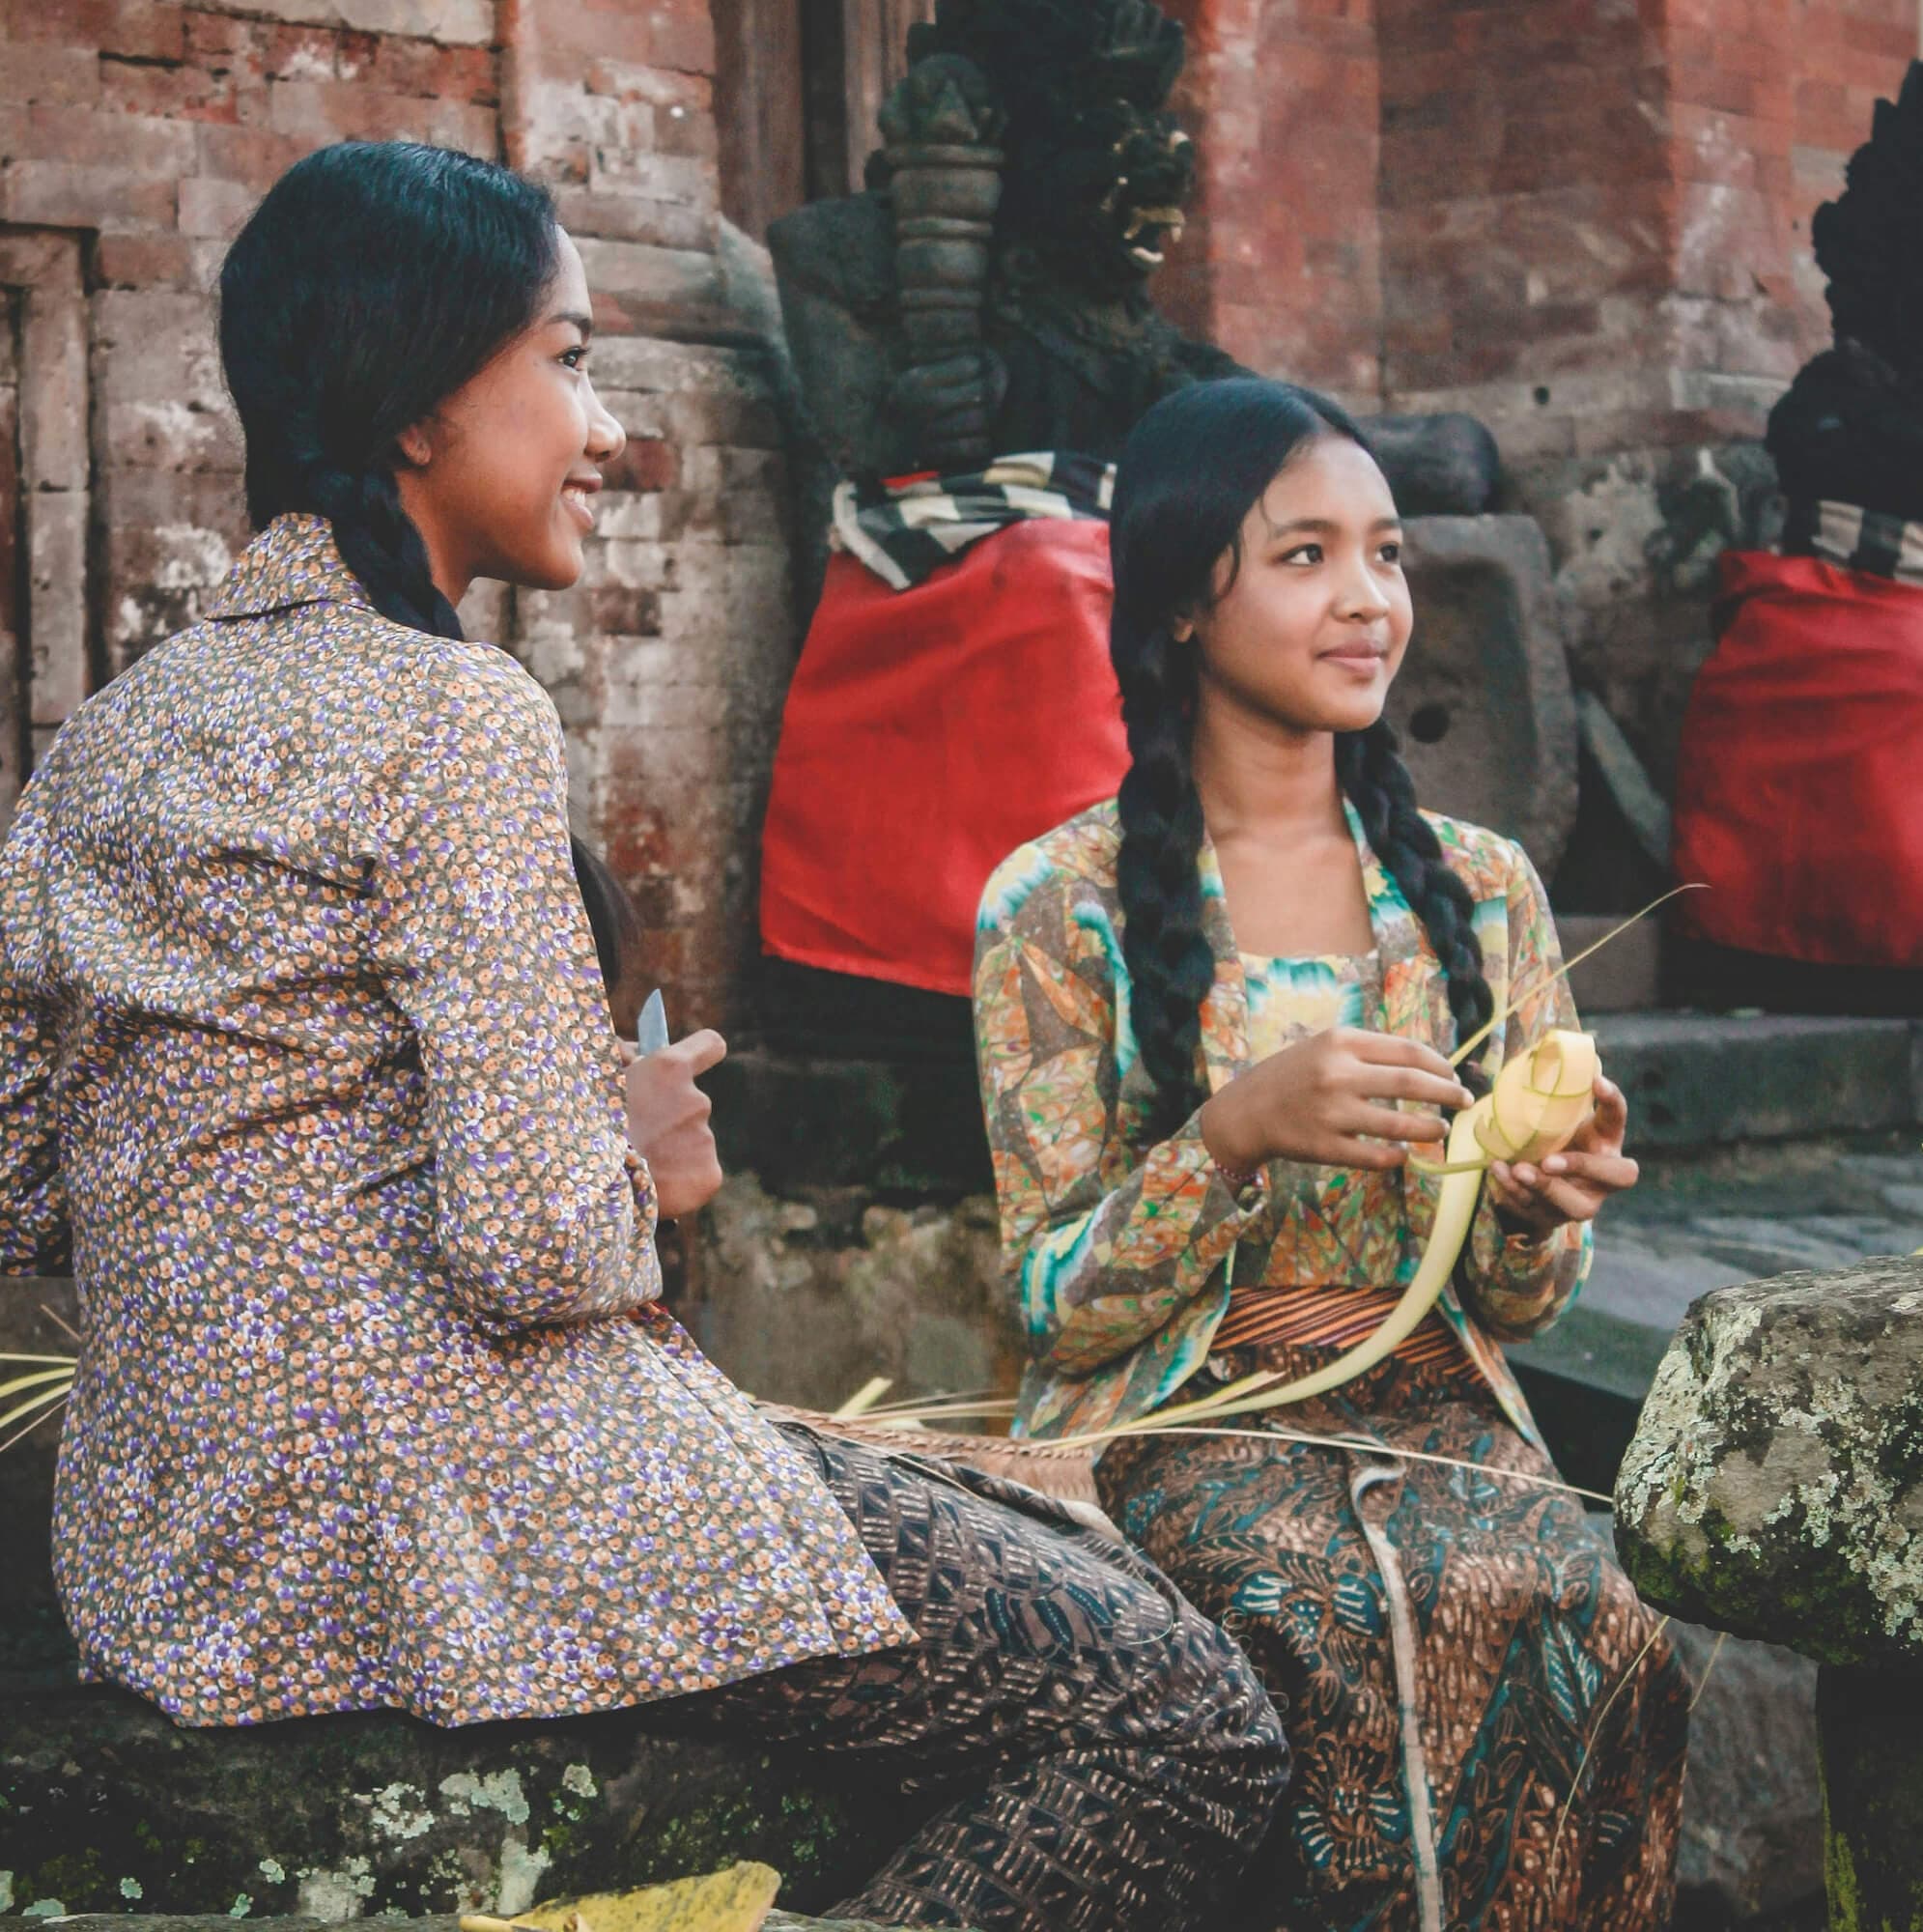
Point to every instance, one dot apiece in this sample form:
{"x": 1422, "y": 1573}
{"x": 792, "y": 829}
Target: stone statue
{"x": 988, "y": 294}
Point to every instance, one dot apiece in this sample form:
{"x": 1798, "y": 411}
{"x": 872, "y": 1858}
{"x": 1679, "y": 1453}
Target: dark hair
{"x": 616, "y": 925}
{"x": 1192, "y": 468}
{"x": 370, "y": 284}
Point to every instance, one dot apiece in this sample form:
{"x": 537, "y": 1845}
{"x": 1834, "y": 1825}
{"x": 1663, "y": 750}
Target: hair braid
{"x": 380, "y": 543}
{"x": 1171, "y": 966}
{"x": 1369, "y": 767}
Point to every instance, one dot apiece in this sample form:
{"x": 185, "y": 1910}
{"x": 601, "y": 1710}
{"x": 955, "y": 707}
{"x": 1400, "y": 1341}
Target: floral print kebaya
{"x": 304, "y": 1053}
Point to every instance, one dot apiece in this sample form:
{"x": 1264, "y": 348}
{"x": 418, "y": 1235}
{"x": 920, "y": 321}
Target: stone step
{"x": 1705, "y": 1080}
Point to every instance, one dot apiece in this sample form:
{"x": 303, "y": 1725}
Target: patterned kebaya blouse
{"x": 303, "y": 1054}
{"x": 1120, "y": 1249}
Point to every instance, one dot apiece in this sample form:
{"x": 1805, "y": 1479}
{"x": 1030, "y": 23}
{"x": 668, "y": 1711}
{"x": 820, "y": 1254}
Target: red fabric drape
{"x": 928, "y": 732}
{"x": 1799, "y": 789}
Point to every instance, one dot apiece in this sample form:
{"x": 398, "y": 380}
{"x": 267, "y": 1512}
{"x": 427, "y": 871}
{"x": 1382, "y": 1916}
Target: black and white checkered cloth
{"x": 905, "y": 529}
{"x": 1854, "y": 539}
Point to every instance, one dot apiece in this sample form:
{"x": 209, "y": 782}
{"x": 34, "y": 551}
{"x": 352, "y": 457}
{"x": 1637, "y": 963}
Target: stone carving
{"x": 988, "y": 291}
{"x": 1850, "y": 429}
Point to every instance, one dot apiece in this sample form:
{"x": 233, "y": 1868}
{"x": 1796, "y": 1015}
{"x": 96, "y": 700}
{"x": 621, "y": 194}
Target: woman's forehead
{"x": 1333, "y": 479}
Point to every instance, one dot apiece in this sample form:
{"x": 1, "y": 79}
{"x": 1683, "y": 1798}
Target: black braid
{"x": 373, "y": 281}
{"x": 1371, "y": 771}
{"x": 1171, "y": 966}
{"x": 380, "y": 543}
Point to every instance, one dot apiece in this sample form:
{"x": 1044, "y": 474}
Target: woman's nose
{"x": 606, "y": 438}
{"x": 1362, "y": 598}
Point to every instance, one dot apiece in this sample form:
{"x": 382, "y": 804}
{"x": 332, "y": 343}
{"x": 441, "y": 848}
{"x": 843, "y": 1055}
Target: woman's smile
{"x": 579, "y": 494}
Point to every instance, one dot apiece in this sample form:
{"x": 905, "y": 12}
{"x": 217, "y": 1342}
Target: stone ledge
{"x": 1699, "y": 1080}
{"x": 105, "y": 1807}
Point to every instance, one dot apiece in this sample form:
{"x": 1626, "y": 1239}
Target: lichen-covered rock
{"x": 105, "y": 1807}
{"x": 1774, "y": 1485}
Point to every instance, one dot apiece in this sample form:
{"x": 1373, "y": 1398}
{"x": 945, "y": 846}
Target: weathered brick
{"x": 60, "y": 194}
{"x": 130, "y": 261}
{"x": 145, "y": 29}
{"x": 452, "y": 22}
{"x": 624, "y": 612}
{"x": 148, "y": 145}
{"x": 184, "y": 93}
{"x": 66, "y": 76}
{"x": 313, "y": 112}
{"x": 215, "y": 208}
{"x": 647, "y": 462}
{"x": 53, "y": 411}
{"x": 56, "y": 585}
{"x": 256, "y": 155}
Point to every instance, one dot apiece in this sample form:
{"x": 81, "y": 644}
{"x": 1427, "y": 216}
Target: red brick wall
{"x": 134, "y": 138}
{"x": 1281, "y": 265}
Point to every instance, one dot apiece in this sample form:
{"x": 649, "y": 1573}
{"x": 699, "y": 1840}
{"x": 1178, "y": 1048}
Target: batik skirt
{"x": 1487, "y": 1725}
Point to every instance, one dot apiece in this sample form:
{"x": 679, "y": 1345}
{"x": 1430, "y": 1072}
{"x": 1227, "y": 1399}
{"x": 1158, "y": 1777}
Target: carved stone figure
{"x": 988, "y": 291}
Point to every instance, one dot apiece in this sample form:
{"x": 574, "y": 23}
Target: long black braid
{"x": 1192, "y": 468}
{"x": 372, "y": 282}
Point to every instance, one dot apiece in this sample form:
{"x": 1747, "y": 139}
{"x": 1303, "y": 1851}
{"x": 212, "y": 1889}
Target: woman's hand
{"x": 1572, "y": 1185}
{"x": 1315, "y": 1102}
{"x": 668, "y": 1122}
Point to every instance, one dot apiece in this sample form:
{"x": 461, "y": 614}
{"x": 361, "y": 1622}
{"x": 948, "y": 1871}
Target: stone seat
{"x": 106, "y": 1806}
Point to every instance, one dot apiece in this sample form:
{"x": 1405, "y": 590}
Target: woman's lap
{"x": 1532, "y": 1649}
{"x": 1113, "y": 1758}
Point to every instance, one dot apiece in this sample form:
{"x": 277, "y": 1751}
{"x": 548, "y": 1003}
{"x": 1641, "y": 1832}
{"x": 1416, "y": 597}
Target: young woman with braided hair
{"x": 307, "y": 1059}
{"x": 1213, "y": 1019}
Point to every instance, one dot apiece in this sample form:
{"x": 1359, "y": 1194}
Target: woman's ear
{"x": 415, "y": 447}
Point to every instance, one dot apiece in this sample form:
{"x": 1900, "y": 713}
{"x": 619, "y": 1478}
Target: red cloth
{"x": 928, "y": 732}
{"x": 1799, "y": 789}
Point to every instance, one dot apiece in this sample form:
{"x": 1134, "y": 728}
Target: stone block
{"x": 63, "y": 75}
{"x": 215, "y": 208}
{"x": 57, "y": 592}
{"x": 1625, "y": 976}
{"x": 61, "y": 194}
{"x": 103, "y": 1802}
{"x": 1694, "y": 1080}
{"x": 53, "y": 400}
{"x": 139, "y": 29}
{"x": 802, "y": 1294}
{"x": 1751, "y": 1849}
{"x": 1484, "y": 702}
{"x": 450, "y": 22}
{"x": 1774, "y": 1485}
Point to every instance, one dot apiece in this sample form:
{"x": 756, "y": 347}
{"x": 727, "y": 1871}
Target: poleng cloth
{"x": 928, "y": 732}
{"x": 1799, "y": 799}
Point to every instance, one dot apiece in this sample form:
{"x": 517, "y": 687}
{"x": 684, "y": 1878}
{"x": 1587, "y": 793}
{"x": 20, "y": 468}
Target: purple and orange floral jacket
{"x": 304, "y": 1057}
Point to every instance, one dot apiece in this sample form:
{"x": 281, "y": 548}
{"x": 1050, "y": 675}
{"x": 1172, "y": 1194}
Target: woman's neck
{"x": 1259, "y": 779}
{"x": 1274, "y": 811}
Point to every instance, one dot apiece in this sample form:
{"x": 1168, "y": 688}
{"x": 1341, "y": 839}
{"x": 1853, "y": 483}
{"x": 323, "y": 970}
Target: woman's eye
{"x": 1392, "y": 552}
{"x": 1303, "y": 554}
{"x": 577, "y": 356}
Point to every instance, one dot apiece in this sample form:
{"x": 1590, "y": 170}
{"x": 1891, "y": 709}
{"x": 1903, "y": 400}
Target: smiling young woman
{"x": 305, "y": 1059}
{"x": 1212, "y": 1017}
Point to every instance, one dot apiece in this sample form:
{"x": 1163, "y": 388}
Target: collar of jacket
{"x": 292, "y": 562}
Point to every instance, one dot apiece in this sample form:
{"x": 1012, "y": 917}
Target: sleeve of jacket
{"x": 1101, "y": 1245}
{"x": 33, "y": 1235}
{"x": 1514, "y": 1286}
{"x": 544, "y": 1213}
{"x": 35, "y": 1238}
